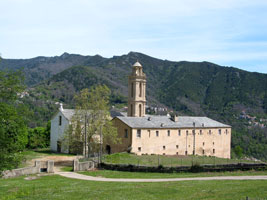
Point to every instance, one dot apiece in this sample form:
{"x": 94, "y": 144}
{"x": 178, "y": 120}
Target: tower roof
{"x": 137, "y": 64}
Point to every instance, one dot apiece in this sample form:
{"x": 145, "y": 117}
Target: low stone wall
{"x": 194, "y": 168}
{"x": 40, "y": 166}
{"x": 83, "y": 166}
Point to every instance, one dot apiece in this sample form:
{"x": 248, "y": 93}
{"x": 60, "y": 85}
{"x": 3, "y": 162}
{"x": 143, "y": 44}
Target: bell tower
{"x": 137, "y": 92}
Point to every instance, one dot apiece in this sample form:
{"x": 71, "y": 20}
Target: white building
{"x": 59, "y": 124}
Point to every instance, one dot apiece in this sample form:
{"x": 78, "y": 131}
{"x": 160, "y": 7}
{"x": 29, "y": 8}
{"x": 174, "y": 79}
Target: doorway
{"x": 108, "y": 149}
{"x": 59, "y": 146}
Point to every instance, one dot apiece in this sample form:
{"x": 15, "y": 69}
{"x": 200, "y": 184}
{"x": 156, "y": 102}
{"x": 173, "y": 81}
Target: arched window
{"x": 140, "y": 110}
{"x": 132, "y": 89}
{"x": 140, "y": 89}
{"x": 60, "y": 121}
{"x": 131, "y": 109}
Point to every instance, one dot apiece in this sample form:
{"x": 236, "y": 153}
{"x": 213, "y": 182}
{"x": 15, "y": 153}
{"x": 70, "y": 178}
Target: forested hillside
{"x": 227, "y": 94}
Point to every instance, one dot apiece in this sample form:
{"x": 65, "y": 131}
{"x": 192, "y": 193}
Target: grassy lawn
{"x": 155, "y": 160}
{"x": 56, "y": 188}
{"x": 119, "y": 174}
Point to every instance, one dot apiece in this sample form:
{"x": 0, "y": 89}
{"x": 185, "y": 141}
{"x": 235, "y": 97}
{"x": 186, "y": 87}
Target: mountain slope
{"x": 40, "y": 68}
{"x": 190, "y": 88}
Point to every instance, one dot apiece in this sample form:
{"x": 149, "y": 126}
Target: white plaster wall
{"x": 57, "y": 131}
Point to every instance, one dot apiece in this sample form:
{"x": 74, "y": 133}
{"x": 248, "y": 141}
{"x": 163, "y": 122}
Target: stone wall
{"x": 40, "y": 166}
{"x": 83, "y": 166}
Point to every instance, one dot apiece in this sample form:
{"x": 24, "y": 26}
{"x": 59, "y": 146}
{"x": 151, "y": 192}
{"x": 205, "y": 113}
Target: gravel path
{"x": 91, "y": 178}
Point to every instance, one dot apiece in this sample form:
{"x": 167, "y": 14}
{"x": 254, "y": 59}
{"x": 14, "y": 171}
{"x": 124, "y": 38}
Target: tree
{"x": 238, "y": 151}
{"x": 39, "y": 137}
{"x": 13, "y": 137}
{"x": 91, "y": 123}
{"x": 13, "y": 131}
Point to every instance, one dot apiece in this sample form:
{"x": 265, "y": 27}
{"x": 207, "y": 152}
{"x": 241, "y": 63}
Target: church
{"x": 166, "y": 135}
{"x": 153, "y": 134}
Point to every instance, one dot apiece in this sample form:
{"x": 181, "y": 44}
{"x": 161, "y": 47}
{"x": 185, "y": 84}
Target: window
{"x": 140, "y": 110}
{"x": 177, "y": 153}
{"x": 185, "y": 153}
{"x": 140, "y": 89}
{"x": 213, "y": 150}
{"x": 169, "y": 132}
{"x": 164, "y": 147}
{"x": 186, "y": 132}
{"x": 179, "y": 132}
{"x": 226, "y": 131}
{"x": 138, "y": 134}
{"x": 60, "y": 121}
{"x": 220, "y": 131}
{"x": 157, "y": 133}
{"x": 200, "y": 132}
{"x": 203, "y": 143}
{"x": 189, "y": 145}
{"x": 126, "y": 133}
{"x": 132, "y": 90}
{"x": 210, "y": 132}
{"x": 177, "y": 146}
{"x": 139, "y": 149}
{"x": 148, "y": 133}
{"x": 203, "y": 151}
{"x": 131, "y": 109}
{"x": 213, "y": 143}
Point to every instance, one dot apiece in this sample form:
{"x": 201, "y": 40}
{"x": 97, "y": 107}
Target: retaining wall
{"x": 83, "y": 166}
{"x": 40, "y": 166}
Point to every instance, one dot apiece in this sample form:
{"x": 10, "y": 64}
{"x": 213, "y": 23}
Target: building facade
{"x": 59, "y": 124}
{"x": 165, "y": 135}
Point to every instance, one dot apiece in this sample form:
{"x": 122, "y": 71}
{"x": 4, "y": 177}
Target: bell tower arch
{"x": 137, "y": 92}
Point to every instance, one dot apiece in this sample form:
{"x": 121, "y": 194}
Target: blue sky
{"x": 228, "y": 32}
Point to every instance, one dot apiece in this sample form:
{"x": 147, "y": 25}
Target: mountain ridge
{"x": 188, "y": 88}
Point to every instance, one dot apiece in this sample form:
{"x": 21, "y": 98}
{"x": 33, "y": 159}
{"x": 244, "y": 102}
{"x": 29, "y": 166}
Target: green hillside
{"x": 189, "y": 88}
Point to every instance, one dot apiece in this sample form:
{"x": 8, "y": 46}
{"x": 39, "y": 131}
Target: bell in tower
{"x": 137, "y": 92}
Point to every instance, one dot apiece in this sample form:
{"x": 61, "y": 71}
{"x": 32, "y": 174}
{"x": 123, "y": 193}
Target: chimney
{"x": 61, "y": 107}
{"x": 174, "y": 118}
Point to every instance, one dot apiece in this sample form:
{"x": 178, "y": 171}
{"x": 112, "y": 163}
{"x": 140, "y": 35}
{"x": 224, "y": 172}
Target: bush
{"x": 39, "y": 137}
{"x": 196, "y": 168}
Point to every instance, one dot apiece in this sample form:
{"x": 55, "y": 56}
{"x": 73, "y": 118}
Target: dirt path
{"x": 91, "y": 178}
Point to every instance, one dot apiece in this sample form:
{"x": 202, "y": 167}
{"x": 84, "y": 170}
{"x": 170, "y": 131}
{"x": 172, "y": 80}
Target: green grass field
{"x": 119, "y": 174}
{"x": 155, "y": 160}
{"x": 56, "y": 188}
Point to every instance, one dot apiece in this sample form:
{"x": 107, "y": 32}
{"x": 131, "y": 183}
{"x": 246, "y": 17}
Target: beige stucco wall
{"x": 136, "y": 99}
{"x": 125, "y": 142}
{"x": 178, "y": 145}
{"x": 175, "y": 144}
